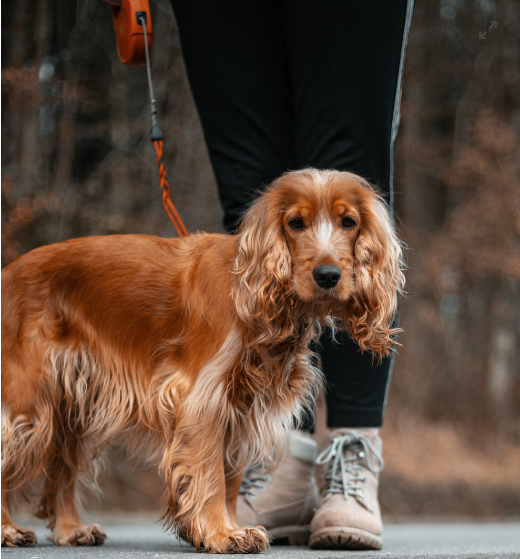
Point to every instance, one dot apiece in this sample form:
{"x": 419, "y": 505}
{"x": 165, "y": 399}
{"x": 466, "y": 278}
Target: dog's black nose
{"x": 326, "y": 276}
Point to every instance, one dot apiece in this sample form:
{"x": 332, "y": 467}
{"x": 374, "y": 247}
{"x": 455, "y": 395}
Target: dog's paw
{"x": 14, "y": 536}
{"x": 241, "y": 540}
{"x": 83, "y": 534}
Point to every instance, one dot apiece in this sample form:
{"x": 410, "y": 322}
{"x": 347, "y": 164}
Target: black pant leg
{"x": 345, "y": 60}
{"x": 237, "y": 68}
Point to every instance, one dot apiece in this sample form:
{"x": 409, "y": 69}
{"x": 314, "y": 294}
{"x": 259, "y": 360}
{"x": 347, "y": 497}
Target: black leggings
{"x": 283, "y": 84}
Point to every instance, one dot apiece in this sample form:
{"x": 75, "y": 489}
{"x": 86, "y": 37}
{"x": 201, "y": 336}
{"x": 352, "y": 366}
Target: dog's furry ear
{"x": 263, "y": 272}
{"x": 378, "y": 278}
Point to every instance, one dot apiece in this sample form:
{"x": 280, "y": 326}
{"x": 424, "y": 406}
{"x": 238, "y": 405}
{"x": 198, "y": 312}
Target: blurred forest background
{"x": 77, "y": 160}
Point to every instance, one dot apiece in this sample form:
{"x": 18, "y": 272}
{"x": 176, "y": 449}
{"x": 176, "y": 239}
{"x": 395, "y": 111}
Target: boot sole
{"x": 290, "y": 535}
{"x": 339, "y": 537}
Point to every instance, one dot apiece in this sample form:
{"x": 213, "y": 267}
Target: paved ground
{"x": 455, "y": 541}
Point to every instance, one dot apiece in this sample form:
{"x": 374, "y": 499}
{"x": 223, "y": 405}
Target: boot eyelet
{"x": 253, "y": 497}
{"x": 268, "y": 479}
{"x": 261, "y": 488}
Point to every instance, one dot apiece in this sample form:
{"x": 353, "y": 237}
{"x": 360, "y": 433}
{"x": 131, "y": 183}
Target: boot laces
{"x": 344, "y": 474}
{"x": 250, "y": 480}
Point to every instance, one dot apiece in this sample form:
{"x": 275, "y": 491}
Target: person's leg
{"x": 236, "y": 64}
{"x": 345, "y": 60}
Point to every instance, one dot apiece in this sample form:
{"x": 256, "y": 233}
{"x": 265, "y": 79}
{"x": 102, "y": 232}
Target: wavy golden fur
{"x": 196, "y": 347}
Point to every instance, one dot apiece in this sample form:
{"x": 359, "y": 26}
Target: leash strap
{"x": 157, "y": 138}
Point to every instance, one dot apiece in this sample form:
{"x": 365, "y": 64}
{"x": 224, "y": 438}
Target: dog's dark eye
{"x": 296, "y": 223}
{"x": 348, "y": 223}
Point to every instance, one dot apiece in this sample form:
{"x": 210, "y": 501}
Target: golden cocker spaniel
{"x": 197, "y": 348}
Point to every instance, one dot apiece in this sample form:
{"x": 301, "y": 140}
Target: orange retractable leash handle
{"x": 129, "y": 31}
{"x": 133, "y": 25}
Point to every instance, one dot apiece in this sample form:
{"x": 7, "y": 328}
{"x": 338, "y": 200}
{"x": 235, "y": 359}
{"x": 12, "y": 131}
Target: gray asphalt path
{"x": 147, "y": 541}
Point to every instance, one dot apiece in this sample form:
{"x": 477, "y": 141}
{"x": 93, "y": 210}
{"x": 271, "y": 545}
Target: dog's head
{"x": 322, "y": 240}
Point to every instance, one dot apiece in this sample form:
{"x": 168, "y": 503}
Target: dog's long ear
{"x": 263, "y": 272}
{"x": 378, "y": 278}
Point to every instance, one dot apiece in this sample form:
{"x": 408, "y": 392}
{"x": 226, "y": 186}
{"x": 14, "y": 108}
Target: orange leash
{"x": 169, "y": 206}
{"x": 157, "y": 137}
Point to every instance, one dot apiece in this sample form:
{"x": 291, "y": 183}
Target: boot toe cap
{"x": 346, "y": 517}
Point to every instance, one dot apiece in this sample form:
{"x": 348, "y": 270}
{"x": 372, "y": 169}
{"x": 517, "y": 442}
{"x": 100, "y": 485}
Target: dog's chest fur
{"x": 267, "y": 391}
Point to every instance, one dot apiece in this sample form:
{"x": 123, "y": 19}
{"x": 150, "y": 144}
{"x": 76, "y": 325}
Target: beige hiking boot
{"x": 283, "y": 502}
{"x": 348, "y": 516}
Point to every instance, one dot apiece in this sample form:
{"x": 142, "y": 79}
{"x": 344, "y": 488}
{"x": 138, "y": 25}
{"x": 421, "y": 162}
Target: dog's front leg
{"x": 194, "y": 467}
